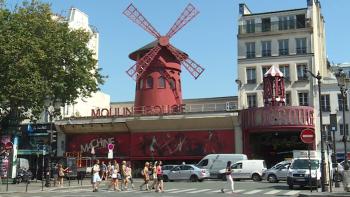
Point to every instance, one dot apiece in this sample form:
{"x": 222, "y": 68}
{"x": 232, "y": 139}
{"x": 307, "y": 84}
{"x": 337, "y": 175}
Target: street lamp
{"x": 342, "y": 80}
{"x": 50, "y": 111}
{"x": 323, "y": 162}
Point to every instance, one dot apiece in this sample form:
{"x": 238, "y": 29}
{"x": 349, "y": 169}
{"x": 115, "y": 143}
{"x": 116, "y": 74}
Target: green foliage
{"x": 41, "y": 59}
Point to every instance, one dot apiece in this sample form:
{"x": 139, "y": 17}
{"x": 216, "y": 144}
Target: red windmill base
{"x": 157, "y": 69}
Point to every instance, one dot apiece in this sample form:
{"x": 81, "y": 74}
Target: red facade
{"x": 172, "y": 145}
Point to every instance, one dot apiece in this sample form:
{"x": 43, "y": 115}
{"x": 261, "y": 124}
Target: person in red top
{"x": 160, "y": 183}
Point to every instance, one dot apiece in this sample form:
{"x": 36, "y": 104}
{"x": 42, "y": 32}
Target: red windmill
{"x": 157, "y": 68}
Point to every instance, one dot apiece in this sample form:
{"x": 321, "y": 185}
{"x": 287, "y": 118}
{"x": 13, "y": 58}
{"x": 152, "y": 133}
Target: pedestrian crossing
{"x": 186, "y": 191}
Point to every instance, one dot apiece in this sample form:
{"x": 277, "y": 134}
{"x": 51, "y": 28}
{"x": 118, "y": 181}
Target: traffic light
{"x": 53, "y": 136}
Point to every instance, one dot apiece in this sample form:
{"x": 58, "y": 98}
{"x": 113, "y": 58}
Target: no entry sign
{"x": 307, "y": 136}
{"x": 110, "y": 146}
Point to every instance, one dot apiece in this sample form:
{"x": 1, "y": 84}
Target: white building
{"x": 83, "y": 106}
{"x": 291, "y": 40}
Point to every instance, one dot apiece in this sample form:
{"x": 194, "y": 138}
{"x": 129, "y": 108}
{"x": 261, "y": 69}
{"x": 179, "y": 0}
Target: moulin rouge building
{"x": 160, "y": 125}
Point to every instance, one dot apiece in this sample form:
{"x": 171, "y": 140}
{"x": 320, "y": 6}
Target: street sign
{"x": 110, "y": 146}
{"x": 333, "y": 121}
{"x": 110, "y": 154}
{"x": 307, "y": 136}
{"x": 8, "y": 145}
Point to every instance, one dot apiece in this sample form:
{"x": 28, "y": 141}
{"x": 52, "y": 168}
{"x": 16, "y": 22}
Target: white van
{"x": 216, "y": 162}
{"x": 247, "y": 169}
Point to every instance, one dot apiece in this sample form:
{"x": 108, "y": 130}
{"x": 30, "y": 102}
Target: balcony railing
{"x": 272, "y": 26}
{"x": 250, "y": 55}
{"x": 301, "y": 50}
{"x": 283, "y": 52}
{"x": 266, "y": 53}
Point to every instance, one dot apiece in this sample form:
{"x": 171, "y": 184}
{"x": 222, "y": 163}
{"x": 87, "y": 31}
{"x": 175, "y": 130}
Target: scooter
{"x": 23, "y": 175}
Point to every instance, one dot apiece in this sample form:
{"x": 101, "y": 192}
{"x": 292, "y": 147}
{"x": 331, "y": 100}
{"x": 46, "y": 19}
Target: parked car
{"x": 299, "y": 173}
{"x": 186, "y": 172}
{"x": 277, "y": 172}
{"x": 167, "y": 168}
{"x": 247, "y": 169}
{"x": 216, "y": 162}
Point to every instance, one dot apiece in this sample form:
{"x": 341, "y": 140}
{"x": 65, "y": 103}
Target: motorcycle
{"x": 23, "y": 175}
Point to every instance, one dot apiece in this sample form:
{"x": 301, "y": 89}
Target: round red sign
{"x": 307, "y": 136}
{"x": 8, "y": 145}
{"x": 110, "y": 146}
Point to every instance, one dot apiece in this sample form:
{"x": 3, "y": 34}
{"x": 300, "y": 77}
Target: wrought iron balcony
{"x": 272, "y": 26}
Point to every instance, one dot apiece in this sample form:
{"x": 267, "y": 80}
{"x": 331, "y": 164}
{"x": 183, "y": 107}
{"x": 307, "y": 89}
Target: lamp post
{"x": 50, "y": 111}
{"x": 342, "y": 80}
{"x": 323, "y": 161}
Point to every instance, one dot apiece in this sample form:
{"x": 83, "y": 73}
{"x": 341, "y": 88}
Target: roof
{"x": 273, "y": 12}
{"x": 146, "y": 48}
{"x": 273, "y": 71}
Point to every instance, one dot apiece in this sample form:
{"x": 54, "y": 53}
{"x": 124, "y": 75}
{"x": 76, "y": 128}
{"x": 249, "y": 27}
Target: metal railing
{"x": 211, "y": 107}
{"x": 275, "y": 26}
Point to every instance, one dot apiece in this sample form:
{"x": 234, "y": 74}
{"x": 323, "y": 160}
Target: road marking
{"x": 169, "y": 190}
{"x": 273, "y": 192}
{"x": 215, "y": 191}
{"x": 291, "y": 193}
{"x": 185, "y": 190}
{"x": 254, "y": 191}
{"x": 198, "y": 191}
{"x": 238, "y": 190}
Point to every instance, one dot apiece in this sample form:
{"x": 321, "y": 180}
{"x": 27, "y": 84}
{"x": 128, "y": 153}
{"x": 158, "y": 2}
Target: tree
{"x": 41, "y": 60}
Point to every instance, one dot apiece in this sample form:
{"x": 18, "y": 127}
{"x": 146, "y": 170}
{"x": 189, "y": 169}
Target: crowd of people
{"x": 120, "y": 176}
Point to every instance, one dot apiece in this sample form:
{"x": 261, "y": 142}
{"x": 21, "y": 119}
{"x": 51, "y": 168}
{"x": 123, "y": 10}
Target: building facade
{"x": 292, "y": 40}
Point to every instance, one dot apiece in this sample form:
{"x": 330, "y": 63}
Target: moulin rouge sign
{"x": 144, "y": 110}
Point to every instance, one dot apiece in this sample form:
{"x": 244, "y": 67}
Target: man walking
{"x": 96, "y": 179}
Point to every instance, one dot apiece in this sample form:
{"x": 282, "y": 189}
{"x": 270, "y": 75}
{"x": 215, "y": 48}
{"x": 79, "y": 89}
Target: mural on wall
{"x": 154, "y": 144}
{"x": 194, "y": 143}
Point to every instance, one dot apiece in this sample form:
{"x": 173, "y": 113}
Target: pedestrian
{"x": 123, "y": 175}
{"x": 60, "y": 173}
{"x": 117, "y": 170}
{"x": 114, "y": 176}
{"x": 229, "y": 184}
{"x": 145, "y": 174}
{"x": 103, "y": 168}
{"x": 109, "y": 169}
{"x": 129, "y": 174}
{"x": 159, "y": 172}
{"x": 96, "y": 179}
{"x": 154, "y": 176}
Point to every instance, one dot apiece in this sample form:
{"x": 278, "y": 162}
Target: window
{"x": 172, "y": 84}
{"x": 203, "y": 162}
{"x": 341, "y": 129}
{"x": 161, "y": 82}
{"x": 301, "y": 21}
{"x": 237, "y": 166}
{"x": 301, "y": 45}
{"x": 250, "y": 26}
{"x": 340, "y": 103}
{"x": 325, "y": 103}
{"x": 303, "y": 99}
{"x": 286, "y": 22}
{"x": 266, "y": 24}
{"x": 179, "y": 85}
{"x": 251, "y": 100}
{"x": 327, "y": 130}
{"x": 283, "y": 47}
{"x": 250, "y": 47}
{"x": 141, "y": 84}
{"x": 288, "y": 99}
{"x": 301, "y": 71}
{"x": 285, "y": 70}
{"x": 266, "y": 48}
{"x": 251, "y": 75}
{"x": 149, "y": 82}
{"x": 264, "y": 69}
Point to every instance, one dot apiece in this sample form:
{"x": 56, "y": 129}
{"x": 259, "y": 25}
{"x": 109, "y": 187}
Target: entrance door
{"x": 274, "y": 147}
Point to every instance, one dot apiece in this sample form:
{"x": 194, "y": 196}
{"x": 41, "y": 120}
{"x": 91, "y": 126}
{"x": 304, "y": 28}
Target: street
{"x": 172, "y": 189}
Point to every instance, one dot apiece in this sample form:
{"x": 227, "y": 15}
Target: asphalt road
{"x": 174, "y": 189}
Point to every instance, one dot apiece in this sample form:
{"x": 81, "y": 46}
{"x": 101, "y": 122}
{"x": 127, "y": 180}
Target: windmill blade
{"x": 133, "y": 14}
{"x": 191, "y": 66}
{"x": 186, "y": 16}
{"x": 141, "y": 65}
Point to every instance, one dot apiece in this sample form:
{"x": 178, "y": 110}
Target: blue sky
{"x": 209, "y": 39}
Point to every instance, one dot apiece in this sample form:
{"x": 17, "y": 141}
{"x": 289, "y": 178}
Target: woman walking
{"x": 145, "y": 174}
{"x": 154, "y": 176}
{"x": 229, "y": 184}
{"x": 129, "y": 174}
{"x": 114, "y": 176}
{"x": 160, "y": 183}
{"x": 60, "y": 172}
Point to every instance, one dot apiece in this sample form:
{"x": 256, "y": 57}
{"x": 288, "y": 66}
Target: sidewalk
{"x": 339, "y": 191}
{"x": 36, "y": 186}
